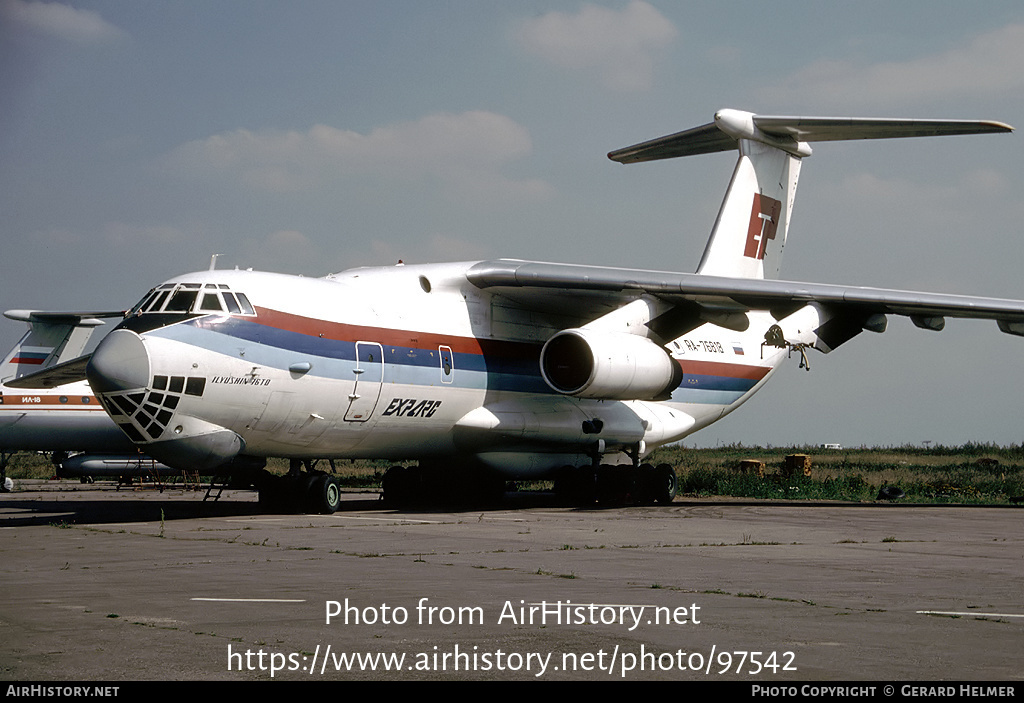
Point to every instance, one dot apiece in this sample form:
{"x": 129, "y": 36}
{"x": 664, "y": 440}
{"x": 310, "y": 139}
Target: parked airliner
{"x": 65, "y": 420}
{"x": 504, "y": 368}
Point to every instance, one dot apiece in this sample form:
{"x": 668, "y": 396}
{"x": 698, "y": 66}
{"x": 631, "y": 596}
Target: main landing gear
{"x": 578, "y": 485}
{"x": 617, "y": 484}
{"x": 607, "y": 484}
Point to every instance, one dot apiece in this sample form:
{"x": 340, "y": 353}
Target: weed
{"x": 973, "y": 473}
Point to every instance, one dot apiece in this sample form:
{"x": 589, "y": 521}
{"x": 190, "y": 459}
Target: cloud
{"x": 987, "y": 65}
{"x": 620, "y": 46}
{"x": 57, "y": 20}
{"x": 464, "y": 152}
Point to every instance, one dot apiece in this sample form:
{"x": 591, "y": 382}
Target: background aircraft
{"x": 66, "y": 420}
{"x": 503, "y": 368}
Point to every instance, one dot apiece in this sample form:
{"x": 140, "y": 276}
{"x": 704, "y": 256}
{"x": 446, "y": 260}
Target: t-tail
{"x": 52, "y": 338}
{"x": 749, "y": 235}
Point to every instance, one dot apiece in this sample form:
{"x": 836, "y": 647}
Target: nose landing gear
{"x": 309, "y": 491}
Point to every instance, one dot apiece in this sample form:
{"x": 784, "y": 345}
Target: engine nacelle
{"x": 608, "y": 365}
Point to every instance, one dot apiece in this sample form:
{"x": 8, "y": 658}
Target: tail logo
{"x": 764, "y": 220}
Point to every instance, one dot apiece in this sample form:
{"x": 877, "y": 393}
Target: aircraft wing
{"x": 531, "y": 283}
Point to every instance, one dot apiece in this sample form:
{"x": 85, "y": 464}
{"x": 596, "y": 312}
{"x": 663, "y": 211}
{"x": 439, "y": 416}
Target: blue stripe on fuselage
{"x": 335, "y": 358}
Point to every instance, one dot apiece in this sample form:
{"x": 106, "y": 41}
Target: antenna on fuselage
{"x": 213, "y": 261}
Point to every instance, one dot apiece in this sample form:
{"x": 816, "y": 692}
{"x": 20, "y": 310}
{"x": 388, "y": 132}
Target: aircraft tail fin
{"x": 750, "y": 233}
{"x": 52, "y": 338}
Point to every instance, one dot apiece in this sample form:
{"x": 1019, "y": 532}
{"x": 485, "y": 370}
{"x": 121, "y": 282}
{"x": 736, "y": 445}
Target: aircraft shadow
{"x": 16, "y": 511}
{"x": 31, "y": 511}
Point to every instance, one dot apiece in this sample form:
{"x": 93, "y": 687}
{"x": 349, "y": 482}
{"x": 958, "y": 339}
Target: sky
{"x": 139, "y": 137}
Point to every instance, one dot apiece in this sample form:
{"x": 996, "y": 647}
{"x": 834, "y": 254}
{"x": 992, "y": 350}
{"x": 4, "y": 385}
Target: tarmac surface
{"x": 136, "y": 584}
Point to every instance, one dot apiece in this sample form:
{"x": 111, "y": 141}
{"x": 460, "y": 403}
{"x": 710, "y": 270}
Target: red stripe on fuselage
{"x": 340, "y": 331}
{"x": 719, "y": 368}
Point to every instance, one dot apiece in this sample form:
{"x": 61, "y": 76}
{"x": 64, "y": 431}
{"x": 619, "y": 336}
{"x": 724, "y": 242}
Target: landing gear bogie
{"x": 617, "y": 484}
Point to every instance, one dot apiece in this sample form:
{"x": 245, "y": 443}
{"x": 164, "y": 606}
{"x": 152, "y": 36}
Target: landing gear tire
{"x": 665, "y": 483}
{"x": 576, "y": 485}
{"x": 325, "y": 495}
{"x": 615, "y": 484}
{"x": 645, "y": 484}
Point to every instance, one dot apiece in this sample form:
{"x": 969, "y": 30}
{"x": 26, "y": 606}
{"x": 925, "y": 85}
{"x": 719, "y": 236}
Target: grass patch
{"x": 969, "y": 474}
{"x": 973, "y": 473}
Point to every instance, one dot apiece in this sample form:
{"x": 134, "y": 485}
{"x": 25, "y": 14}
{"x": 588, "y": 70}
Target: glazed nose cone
{"x": 120, "y": 363}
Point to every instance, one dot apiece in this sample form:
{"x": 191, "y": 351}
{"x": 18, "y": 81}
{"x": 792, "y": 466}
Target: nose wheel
{"x": 324, "y": 495}
{"x": 661, "y": 482}
{"x": 307, "y": 491}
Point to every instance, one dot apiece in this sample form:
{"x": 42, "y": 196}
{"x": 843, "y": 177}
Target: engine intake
{"x": 608, "y": 365}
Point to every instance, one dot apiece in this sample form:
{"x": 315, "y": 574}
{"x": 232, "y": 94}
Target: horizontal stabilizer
{"x": 83, "y": 319}
{"x": 53, "y": 376}
{"x": 53, "y": 338}
{"x": 789, "y": 132}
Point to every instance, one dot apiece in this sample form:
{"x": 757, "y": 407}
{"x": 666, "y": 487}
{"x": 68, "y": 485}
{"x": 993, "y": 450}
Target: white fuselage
{"x": 65, "y": 418}
{"x": 404, "y": 362}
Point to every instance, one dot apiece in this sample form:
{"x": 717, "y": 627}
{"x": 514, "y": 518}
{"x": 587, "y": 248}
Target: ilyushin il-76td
{"x": 459, "y": 373}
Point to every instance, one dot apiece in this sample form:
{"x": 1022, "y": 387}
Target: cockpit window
{"x": 247, "y": 307}
{"x": 193, "y": 298}
{"x": 157, "y": 301}
{"x": 182, "y": 300}
{"x": 141, "y": 305}
{"x": 211, "y": 303}
{"x": 232, "y": 304}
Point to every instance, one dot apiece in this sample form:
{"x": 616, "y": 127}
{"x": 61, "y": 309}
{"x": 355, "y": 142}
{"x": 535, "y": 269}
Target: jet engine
{"x": 608, "y": 365}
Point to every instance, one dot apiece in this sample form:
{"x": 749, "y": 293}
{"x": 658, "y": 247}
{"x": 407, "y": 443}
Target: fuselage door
{"x": 447, "y": 364}
{"x": 368, "y": 376}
